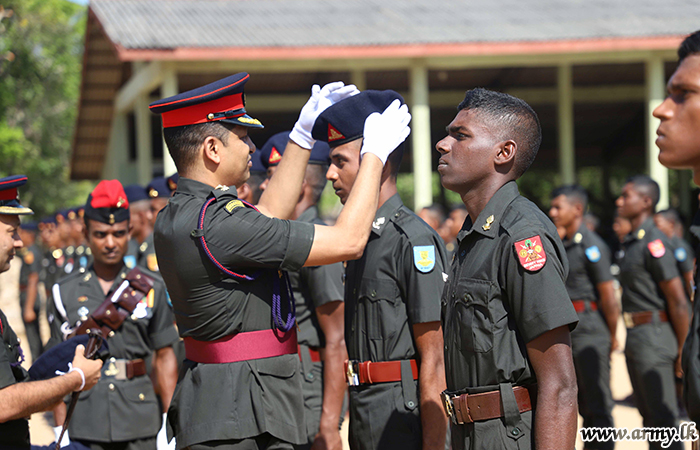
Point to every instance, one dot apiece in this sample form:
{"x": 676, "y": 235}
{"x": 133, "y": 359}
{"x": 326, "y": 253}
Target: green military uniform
{"x": 313, "y": 287}
{"x": 53, "y": 263}
{"x": 391, "y": 288}
{"x": 13, "y": 433}
{"x": 493, "y": 306}
{"x": 31, "y": 263}
{"x": 691, "y": 350}
{"x": 143, "y": 254}
{"x": 230, "y": 402}
{"x": 589, "y": 265}
{"x": 651, "y": 349}
{"x": 117, "y": 409}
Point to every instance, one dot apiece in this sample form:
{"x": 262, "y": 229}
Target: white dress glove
{"x": 321, "y": 98}
{"x": 162, "y": 437}
{"x": 57, "y": 432}
{"x": 384, "y": 132}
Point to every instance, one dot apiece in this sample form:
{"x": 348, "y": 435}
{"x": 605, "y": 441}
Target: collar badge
{"x": 487, "y": 225}
{"x": 377, "y": 224}
{"x": 578, "y": 238}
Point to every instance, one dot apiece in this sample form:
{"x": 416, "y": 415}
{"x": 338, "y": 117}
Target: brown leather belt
{"x": 123, "y": 369}
{"x": 369, "y": 372}
{"x": 632, "y": 319}
{"x": 468, "y": 408}
{"x": 580, "y": 305}
{"x": 315, "y": 354}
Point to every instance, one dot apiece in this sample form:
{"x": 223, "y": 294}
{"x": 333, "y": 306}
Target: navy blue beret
{"x": 172, "y": 181}
{"x": 220, "y": 101}
{"x": 48, "y": 220}
{"x": 135, "y": 193}
{"x": 58, "y": 357}
{"x": 271, "y": 153}
{"x": 9, "y": 196}
{"x": 345, "y": 121}
{"x": 256, "y": 159}
{"x": 30, "y": 226}
{"x": 158, "y": 187}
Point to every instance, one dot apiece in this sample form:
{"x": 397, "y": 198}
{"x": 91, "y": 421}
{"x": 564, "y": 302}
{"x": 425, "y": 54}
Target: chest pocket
{"x": 476, "y": 324}
{"x": 381, "y": 308}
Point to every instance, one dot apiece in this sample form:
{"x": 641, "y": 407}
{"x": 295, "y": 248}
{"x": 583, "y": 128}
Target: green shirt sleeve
{"x": 162, "y": 332}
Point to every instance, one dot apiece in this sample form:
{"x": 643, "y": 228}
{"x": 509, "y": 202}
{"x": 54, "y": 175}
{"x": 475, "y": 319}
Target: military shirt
{"x": 648, "y": 260}
{"x": 242, "y": 399}
{"x": 53, "y": 263}
{"x": 116, "y": 410}
{"x": 143, "y": 254}
{"x": 683, "y": 253}
{"x": 492, "y": 305}
{"x": 589, "y": 264}
{"x": 395, "y": 284}
{"x": 31, "y": 263}
{"x": 314, "y": 287}
{"x": 691, "y": 349}
{"x": 13, "y": 432}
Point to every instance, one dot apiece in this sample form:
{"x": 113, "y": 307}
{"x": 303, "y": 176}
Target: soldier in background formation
{"x": 669, "y": 222}
{"x": 29, "y": 275}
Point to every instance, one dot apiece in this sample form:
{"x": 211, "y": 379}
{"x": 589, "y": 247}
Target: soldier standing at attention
{"x": 122, "y": 411}
{"x": 141, "y": 221}
{"x": 590, "y": 287}
{"x": 506, "y": 312}
{"x": 224, "y": 261}
{"x": 318, "y": 292}
{"x": 679, "y": 142}
{"x": 29, "y": 301}
{"x": 669, "y": 223}
{"x": 654, "y": 306}
{"x": 19, "y": 397}
{"x": 392, "y": 316}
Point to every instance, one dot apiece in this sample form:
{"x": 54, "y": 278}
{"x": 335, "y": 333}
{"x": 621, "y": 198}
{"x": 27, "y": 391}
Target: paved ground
{"x": 625, "y": 416}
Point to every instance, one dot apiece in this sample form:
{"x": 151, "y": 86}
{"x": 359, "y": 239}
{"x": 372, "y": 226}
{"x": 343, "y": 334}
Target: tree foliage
{"x": 41, "y": 46}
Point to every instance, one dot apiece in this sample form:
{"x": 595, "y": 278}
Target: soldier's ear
{"x": 211, "y": 148}
{"x": 505, "y": 154}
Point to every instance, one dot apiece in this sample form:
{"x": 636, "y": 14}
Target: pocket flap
{"x": 375, "y": 289}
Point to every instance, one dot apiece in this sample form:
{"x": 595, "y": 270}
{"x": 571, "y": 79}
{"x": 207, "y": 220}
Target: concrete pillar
{"x": 144, "y": 141}
{"x": 655, "y": 94}
{"x": 358, "y": 78}
{"x": 117, "y": 162}
{"x": 168, "y": 89}
{"x": 420, "y": 137}
{"x": 565, "y": 124}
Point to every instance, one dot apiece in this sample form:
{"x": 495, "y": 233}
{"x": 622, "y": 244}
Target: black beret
{"x": 345, "y": 121}
{"x": 58, "y": 357}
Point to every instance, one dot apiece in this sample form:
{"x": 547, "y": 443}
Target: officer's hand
{"x": 321, "y": 98}
{"x": 90, "y": 368}
{"x": 679, "y": 367}
{"x": 384, "y": 132}
{"x": 29, "y": 316}
{"x": 328, "y": 441}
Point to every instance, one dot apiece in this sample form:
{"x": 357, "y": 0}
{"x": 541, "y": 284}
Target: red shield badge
{"x": 531, "y": 253}
{"x": 656, "y": 248}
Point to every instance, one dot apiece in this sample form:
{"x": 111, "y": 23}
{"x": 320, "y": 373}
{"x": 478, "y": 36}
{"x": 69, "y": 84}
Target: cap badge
{"x": 531, "y": 254}
{"x": 152, "y": 193}
{"x": 641, "y": 233}
{"x": 120, "y": 202}
{"x": 578, "y": 238}
{"x": 275, "y": 156}
{"x": 489, "y": 221}
{"x": 333, "y": 134}
{"x": 111, "y": 219}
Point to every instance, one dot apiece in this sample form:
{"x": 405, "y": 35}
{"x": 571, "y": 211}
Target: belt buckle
{"x": 449, "y": 408}
{"x": 352, "y": 373}
{"x": 629, "y": 321}
{"x": 116, "y": 368}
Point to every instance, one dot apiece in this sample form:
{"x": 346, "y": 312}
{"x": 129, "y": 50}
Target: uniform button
{"x": 111, "y": 386}
{"x": 445, "y": 347}
{"x": 411, "y": 404}
{"x": 112, "y": 359}
{"x": 310, "y": 376}
{"x": 464, "y": 252}
{"x": 142, "y": 397}
{"x": 374, "y": 293}
{"x": 515, "y": 431}
{"x": 397, "y": 215}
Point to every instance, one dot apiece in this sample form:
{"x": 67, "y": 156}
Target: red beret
{"x": 107, "y": 203}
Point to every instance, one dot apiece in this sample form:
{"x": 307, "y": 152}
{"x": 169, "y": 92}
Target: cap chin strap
{"x": 277, "y": 321}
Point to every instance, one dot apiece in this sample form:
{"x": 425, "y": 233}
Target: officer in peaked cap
{"x": 318, "y": 292}
{"x": 18, "y": 399}
{"x": 392, "y": 316}
{"x": 122, "y": 410}
{"x": 224, "y": 261}
{"x": 141, "y": 251}
{"x": 29, "y": 275}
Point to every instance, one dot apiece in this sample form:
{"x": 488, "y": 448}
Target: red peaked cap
{"x": 107, "y": 203}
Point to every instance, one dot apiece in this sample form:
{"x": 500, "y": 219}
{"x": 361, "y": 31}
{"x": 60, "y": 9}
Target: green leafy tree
{"x": 41, "y": 45}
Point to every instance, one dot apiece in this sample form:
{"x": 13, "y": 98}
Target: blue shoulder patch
{"x": 130, "y": 261}
{"x": 424, "y": 257}
{"x": 593, "y": 253}
{"x": 680, "y": 254}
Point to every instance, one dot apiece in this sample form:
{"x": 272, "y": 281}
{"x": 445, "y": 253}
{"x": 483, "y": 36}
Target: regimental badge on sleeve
{"x": 152, "y": 262}
{"x": 424, "y": 257}
{"x": 680, "y": 254}
{"x": 593, "y": 254}
{"x": 130, "y": 261}
{"x": 531, "y": 253}
{"x": 656, "y": 248}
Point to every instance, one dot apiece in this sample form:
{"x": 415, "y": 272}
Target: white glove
{"x": 162, "y": 437}
{"x": 321, "y": 98}
{"x": 384, "y": 132}
{"x": 57, "y": 432}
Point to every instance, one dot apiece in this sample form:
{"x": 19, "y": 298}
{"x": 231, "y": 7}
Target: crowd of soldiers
{"x": 498, "y": 319}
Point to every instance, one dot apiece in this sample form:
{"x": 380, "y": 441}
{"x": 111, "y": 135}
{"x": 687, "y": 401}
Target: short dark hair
{"x": 183, "y": 142}
{"x": 646, "y": 186}
{"x": 671, "y": 215}
{"x": 437, "y": 211}
{"x": 573, "y": 192}
{"x": 395, "y": 158}
{"x": 690, "y": 46}
{"x": 515, "y": 120}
